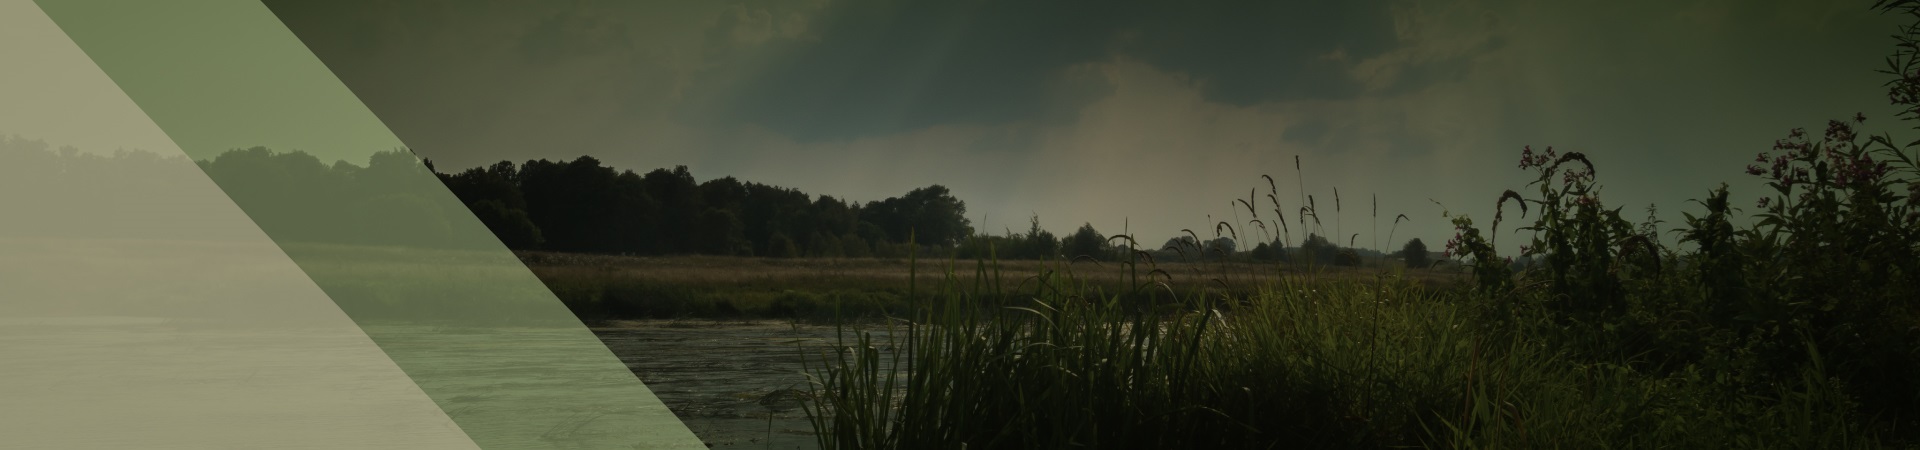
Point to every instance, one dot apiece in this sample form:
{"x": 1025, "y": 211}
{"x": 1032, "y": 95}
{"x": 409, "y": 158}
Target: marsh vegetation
{"x": 1799, "y": 329}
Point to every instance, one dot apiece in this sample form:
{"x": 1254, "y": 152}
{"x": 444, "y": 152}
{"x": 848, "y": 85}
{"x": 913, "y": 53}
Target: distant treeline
{"x": 584, "y": 206}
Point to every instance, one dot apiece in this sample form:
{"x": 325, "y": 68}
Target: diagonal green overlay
{"x": 453, "y": 309}
{"x": 140, "y": 309}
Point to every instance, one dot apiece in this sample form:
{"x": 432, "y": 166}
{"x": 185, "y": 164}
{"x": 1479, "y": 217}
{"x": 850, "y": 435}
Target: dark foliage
{"x": 1415, "y": 254}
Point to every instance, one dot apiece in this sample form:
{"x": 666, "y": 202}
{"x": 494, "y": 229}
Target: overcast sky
{"x": 1153, "y": 114}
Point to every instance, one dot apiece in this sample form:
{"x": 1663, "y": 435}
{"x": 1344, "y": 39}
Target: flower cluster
{"x": 1575, "y": 176}
{"x": 1795, "y": 146}
{"x": 1838, "y": 131}
{"x": 1529, "y": 160}
{"x": 1847, "y": 168}
{"x": 1850, "y": 169}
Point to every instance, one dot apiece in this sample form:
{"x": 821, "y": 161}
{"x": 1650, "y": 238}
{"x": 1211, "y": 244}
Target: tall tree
{"x": 679, "y": 196}
{"x": 931, "y": 214}
{"x": 1318, "y": 250}
{"x": 1086, "y": 242}
{"x": 1415, "y": 253}
{"x": 1040, "y": 243}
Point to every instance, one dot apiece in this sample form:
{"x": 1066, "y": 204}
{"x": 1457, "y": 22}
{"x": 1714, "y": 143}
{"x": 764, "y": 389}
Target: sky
{"x": 1148, "y": 116}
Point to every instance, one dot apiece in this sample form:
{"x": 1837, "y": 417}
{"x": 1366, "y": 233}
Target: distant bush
{"x": 1347, "y": 257}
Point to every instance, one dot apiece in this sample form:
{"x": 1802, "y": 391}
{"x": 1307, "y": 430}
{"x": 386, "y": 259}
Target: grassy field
{"x": 603, "y": 287}
{"x": 1326, "y": 363}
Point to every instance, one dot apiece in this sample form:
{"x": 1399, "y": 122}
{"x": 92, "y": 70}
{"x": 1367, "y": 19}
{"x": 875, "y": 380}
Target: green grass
{"x": 603, "y": 287}
{"x": 1308, "y": 363}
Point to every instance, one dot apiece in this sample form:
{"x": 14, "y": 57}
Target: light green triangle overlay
{"x": 460, "y": 315}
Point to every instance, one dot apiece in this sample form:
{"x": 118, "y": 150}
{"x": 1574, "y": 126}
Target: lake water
{"x": 726, "y": 380}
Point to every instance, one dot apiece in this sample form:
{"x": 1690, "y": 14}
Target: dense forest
{"x": 584, "y": 206}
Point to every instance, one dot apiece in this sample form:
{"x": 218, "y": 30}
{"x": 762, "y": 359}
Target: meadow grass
{"x": 607, "y": 287}
{"x": 1335, "y": 362}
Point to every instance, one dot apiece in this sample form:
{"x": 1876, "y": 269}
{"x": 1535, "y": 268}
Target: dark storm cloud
{"x": 1414, "y": 77}
{"x": 366, "y": 27}
{"x": 563, "y": 36}
{"x": 1253, "y": 52}
{"x": 876, "y": 67}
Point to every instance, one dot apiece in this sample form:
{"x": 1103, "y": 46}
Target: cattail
{"x": 1314, "y": 210}
{"x": 1300, "y": 178}
{"x": 1249, "y": 203}
{"x": 1395, "y": 227}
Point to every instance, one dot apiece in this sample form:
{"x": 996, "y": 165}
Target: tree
{"x": 1261, "y": 252}
{"x": 823, "y": 246}
{"x": 574, "y": 204}
{"x": 1086, "y": 242}
{"x": 1318, "y": 250}
{"x": 1222, "y": 248}
{"x": 720, "y": 233}
{"x": 679, "y": 198}
{"x": 510, "y": 225}
{"x": 1415, "y": 253}
{"x": 854, "y": 247}
{"x": 499, "y": 183}
{"x": 779, "y": 246}
{"x": 931, "y": 214}
{"x": 1040, "y": 244}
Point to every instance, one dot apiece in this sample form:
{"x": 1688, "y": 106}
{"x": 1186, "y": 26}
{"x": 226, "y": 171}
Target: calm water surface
{"x": 732, "y": 383}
